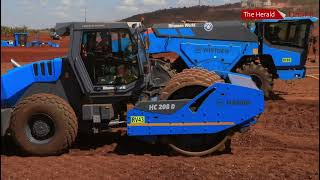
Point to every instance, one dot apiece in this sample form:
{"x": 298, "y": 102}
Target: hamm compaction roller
{"x": 45, "y": 104}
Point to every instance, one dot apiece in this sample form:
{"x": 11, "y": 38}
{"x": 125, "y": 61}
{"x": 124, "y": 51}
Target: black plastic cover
{"x": 221, "y": 30}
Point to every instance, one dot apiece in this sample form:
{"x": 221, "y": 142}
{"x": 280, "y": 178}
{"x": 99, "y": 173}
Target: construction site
{"x": 283, "y": 144}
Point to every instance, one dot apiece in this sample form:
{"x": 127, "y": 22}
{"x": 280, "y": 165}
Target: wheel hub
{"x": 40, "y": 128}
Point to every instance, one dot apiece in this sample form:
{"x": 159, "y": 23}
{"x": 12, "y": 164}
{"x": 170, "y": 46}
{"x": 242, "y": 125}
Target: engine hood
{"x": 17, "y": 80}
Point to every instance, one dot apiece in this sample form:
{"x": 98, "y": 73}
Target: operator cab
{"x": 109, "y": 57}
{"x": 290, "y": 33}
{"x": 288, "y": 41}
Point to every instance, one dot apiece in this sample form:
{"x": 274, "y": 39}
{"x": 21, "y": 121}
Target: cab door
{"x": 287, "y": 42}
{"x": 107, "y": 62}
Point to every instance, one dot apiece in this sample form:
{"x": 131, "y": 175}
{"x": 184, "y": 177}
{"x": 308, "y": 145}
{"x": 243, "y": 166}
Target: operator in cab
{"x": 104, "y": 47}
{"x": 125, "y": 75}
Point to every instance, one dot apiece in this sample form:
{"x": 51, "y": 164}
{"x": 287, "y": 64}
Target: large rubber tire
{"x": 48, "y": 108}
{"x": 260, "y": 75}
{"x": 186, "y": 85}
{"x": 189, "y": 78}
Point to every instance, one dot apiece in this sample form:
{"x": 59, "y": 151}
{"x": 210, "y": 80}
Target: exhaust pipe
{"x": 14, "y": 63}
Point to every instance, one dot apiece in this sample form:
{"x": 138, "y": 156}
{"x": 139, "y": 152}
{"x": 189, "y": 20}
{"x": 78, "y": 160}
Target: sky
{"x": 45, "y": 13}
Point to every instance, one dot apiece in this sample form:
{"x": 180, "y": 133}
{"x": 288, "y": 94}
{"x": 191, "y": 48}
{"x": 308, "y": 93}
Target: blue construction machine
{"x": 44, "y": 104}
{"x": 271, "y": 49}
{"x": 21, "y": 40}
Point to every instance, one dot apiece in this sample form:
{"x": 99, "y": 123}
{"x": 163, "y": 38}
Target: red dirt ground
{"x": 23, "y": 54}
{"x": 284, "y": 144}
{"x": 43, "y": 36}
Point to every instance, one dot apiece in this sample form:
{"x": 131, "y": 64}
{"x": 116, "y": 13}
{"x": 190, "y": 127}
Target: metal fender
{"x": 17, "y": 80}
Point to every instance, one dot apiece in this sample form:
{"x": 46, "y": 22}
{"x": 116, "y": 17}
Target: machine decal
{"x": 238, "y": 102}
{"x": 286, "y": 60}
{"x": 137, "y": 120}
{"x": 208, "y": 26}
{"x": 161, "y": 107}
{"x": 183, "y": 124}
{"x": 216, "y": 50}
{"x": 181, "y": 25}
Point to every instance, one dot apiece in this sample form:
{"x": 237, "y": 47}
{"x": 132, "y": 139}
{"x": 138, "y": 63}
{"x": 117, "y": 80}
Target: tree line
{"x": 6, "y": 30}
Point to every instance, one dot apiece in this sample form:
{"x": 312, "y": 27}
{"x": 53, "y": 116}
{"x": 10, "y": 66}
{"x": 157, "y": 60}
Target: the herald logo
{"x": 249, "y": 14}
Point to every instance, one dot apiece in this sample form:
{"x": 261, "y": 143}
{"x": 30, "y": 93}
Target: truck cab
{"x": 286, "y": 42}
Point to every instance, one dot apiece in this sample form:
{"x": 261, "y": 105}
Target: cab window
{"x": 109, "y": 57}
{"x": 286, "y": 33}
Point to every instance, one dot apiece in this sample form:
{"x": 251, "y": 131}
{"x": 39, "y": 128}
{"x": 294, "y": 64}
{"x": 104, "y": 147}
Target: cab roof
{"x": 220, "y": 30}
{"x": 64, "y": 28}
